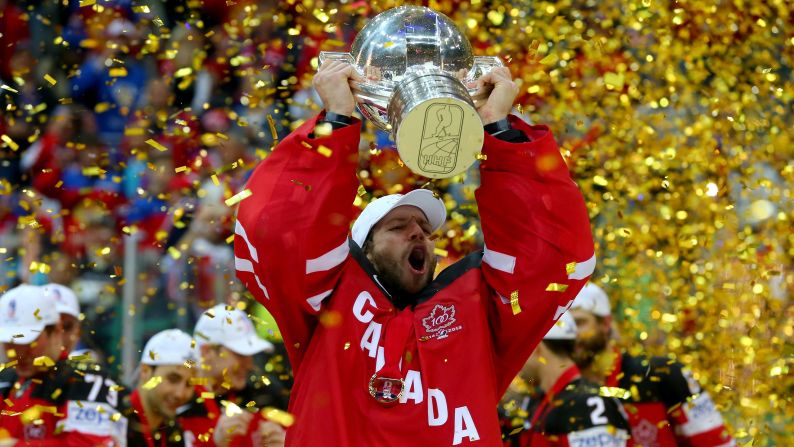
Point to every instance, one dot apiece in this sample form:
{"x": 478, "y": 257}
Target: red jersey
{"x": 468, "y": 333}
{"x": 199, "y": 417}
{"x": 665, "y": 404}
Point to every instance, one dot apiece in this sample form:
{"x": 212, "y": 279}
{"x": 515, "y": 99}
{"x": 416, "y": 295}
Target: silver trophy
{"x": 417, "y": 65}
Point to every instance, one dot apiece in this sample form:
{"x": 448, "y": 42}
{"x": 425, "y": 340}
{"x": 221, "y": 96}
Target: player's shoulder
{"x": 8, "y": 377}
{"x": 88, "y": 382}
{"x": 649, "y": 364}
{"x": 580, "y": 407}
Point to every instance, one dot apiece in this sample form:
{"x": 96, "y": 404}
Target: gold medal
{"x": 386, "y": 390}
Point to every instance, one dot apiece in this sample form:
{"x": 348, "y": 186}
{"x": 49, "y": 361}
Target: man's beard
{"x": 389, "y": 269}
{"x": 588, "y": 348}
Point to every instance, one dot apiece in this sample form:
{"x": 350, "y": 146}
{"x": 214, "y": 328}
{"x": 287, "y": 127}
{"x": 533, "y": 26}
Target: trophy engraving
{"x": 441, "y": 138}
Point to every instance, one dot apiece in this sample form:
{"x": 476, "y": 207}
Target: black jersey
{"x": 572, "y": 413}
{"x": 665, "y": 404}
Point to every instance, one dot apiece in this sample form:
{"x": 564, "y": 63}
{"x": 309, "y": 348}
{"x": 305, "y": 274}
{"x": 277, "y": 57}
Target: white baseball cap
{"x": 25, "y": 311}
{"x": 169, "y": 347}
{"x": 592, "y": 299}
{"x": 423, "y": 199}
{"x": 564, "y": 329}
{"x": 231, "y": 328}
{"x": 65, "y": 298}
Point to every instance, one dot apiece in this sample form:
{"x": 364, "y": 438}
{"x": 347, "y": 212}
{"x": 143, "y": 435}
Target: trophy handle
{"x": 334, "y": 56}
{"x": 342, "y": 57}
{"x": 482, "y": 66}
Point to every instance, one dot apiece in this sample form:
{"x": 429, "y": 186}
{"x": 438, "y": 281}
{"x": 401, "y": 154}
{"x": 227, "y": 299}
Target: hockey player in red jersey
{"x": 227, "y": 342}
{"x": 46, "y": 401}
{"x": 384, "y": 353}
{"x": 570, "y": 411}
{"x": 665, "y": 404}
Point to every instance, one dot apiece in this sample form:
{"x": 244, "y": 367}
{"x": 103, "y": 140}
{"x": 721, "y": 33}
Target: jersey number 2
{"x": 597, "y": 415}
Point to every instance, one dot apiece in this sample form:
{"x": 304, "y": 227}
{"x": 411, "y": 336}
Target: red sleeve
{"x": 291, "y": 233}
{"x": 698, "y": 423}
{"x": 538, "y": 245}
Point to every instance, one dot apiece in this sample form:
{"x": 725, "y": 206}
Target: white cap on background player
{"x": 563, "y": 329}
{"x": 65, "y": 298}
{"x": 230, "y": 327}
{"x": 25, "y": 311}
{"x": 592, "y": 299}
{"x": 169, "y": 347}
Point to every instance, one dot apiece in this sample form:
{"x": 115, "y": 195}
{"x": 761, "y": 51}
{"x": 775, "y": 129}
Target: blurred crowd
{"x": 125, "y": 120}
{"x": 129, "y": 128}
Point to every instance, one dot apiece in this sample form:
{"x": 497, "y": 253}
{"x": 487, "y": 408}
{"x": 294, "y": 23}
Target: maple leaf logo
{"x": 441, "y": 317}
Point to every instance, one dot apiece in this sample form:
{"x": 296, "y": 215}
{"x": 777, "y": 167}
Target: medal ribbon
{"x": 395, "y": 340}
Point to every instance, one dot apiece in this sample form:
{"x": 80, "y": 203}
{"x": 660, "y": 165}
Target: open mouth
{"x": 416, "y": 260}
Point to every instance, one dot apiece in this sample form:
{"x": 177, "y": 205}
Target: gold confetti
{"x": 8, "y": 141}
{"x": 84, "y": 3}
{"x": 182, "y": 72}
{"x": 279, "y": 416}
{"x": 570, "y": 268}
{"x": 153, "y": 383}
{"x": 43, "y": 361}
{"x": 614, "y": 80}
{"x": 555, "y": 287}
{"x": 324, "y": 151}
{"x": 440, "y": 252}
{"x": 156, "y": 145}
{"x": 272, "y": 124}
{"x": 174, "y": 252}
{"x": 93, "y": 171}
{"x": 237, "y": 198}
{"x": 516, "y": 306}
{"x": 50, "y": 79}
{"x": 550, "y": 59}
{"x": 117, "y": 72}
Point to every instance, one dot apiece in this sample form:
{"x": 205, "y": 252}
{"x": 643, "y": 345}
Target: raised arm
{"x": 291, "y": 233}
{"x": 538, "y": 245}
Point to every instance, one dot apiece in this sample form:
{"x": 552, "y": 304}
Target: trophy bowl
{"x": 417, "y": 65}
